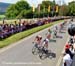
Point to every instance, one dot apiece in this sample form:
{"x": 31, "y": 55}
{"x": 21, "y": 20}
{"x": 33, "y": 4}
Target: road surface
{"x": 20, "y": 53}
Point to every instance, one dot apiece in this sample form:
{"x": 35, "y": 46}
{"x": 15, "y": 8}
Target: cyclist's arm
{"x": 34, "y": 40}
{"x": 43, "y": 44}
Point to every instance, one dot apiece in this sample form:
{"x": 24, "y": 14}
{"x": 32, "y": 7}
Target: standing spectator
{"x": 67, "y": 57}
{"x": 1, "y": 28}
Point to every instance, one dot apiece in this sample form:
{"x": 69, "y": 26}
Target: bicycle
{"x": 36, "y": 49}
{"x": 46, "y": 53}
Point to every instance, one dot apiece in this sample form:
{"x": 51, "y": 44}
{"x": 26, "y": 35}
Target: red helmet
{"x": 67, "y": 46}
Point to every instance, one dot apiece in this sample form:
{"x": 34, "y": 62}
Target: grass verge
{"x": 21, "y": 35}
{"x": 2, "y": 16}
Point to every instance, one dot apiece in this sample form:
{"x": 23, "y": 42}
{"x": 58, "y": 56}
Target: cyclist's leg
{"x": 46, "y": 48}
{"x": 36, "y": 45}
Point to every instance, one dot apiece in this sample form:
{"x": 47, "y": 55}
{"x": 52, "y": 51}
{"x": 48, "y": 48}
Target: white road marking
{"x": 21, "y": 63}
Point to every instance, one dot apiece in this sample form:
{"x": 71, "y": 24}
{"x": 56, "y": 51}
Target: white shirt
{"x": 45, "y": 42}
{"x": 72, "y": 51}
{"x": 67, "y": 59}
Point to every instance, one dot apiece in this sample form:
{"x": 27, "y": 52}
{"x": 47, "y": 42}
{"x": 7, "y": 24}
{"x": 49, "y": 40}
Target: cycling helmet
{"x": 39, "y": 36}
{"x": 67, "y": 46}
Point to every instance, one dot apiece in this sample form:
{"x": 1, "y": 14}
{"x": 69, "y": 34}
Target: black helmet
{"x": 71, "y": 30}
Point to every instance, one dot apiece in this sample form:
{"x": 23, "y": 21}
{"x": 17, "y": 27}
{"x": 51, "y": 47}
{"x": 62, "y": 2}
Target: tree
{"x": 11, "y": 11}
{"x": 15, "y": 9}
{"x": 46, "y": 4}
{"x": 45, "y": 7}
{"x": 63, "y": 10}
{"x": 72, "y": 8}
{"x": 25, "y": 14}
{"x": 21, "y": 5}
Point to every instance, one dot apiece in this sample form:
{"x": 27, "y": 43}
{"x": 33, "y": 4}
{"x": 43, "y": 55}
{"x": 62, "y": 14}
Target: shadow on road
{"x": 49, "y": 55}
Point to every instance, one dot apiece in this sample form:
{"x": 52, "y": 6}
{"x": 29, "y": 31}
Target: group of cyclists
{"x": 49, "y": 35}
{"x": 41, "y": 44}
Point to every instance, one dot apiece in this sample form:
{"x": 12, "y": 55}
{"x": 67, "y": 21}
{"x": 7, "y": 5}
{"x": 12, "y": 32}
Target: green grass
{"x": 21, "y": 35}
{"x": 2, "y": 16}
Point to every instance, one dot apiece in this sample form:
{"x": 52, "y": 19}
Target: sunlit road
{"x": 20, "y": 54}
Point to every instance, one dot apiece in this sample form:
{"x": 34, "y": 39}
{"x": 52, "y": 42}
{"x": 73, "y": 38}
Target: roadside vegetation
{"x": 22, "y": 9}
{"x": 2, "y": 16}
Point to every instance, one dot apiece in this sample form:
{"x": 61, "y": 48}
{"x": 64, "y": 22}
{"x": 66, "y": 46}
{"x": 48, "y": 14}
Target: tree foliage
{"x": 15, "y": 9}
{"x": 64, "y": 10}
{"x": 72, "y": 8}
{"x": 23, "y": 10}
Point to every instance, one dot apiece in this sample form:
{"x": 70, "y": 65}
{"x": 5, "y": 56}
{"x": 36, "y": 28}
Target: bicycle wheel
{"x": 35, "y": 50}
{"x": 52, "y": 55}
{"x": 42, "y": 55}
{"x": 54, "y": 36}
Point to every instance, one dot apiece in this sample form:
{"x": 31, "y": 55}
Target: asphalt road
{"x": 20, "y": 53}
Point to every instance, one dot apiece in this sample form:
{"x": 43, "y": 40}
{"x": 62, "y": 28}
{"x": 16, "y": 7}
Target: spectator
{"x": 1, "y": 28}
{"x": 68, "y": 47}
{"x": 67, "y": 58}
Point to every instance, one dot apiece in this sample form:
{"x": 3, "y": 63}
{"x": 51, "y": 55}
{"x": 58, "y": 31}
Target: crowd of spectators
{"x": 69, "y": 50}
{"x": 7, "y": 30}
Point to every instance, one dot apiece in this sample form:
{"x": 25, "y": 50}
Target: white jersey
{"x": 44, "y": 42}
{"x": 67, "y": 59}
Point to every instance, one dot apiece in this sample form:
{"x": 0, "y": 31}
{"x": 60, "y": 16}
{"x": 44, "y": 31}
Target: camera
{"x": 71, "y": 30}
